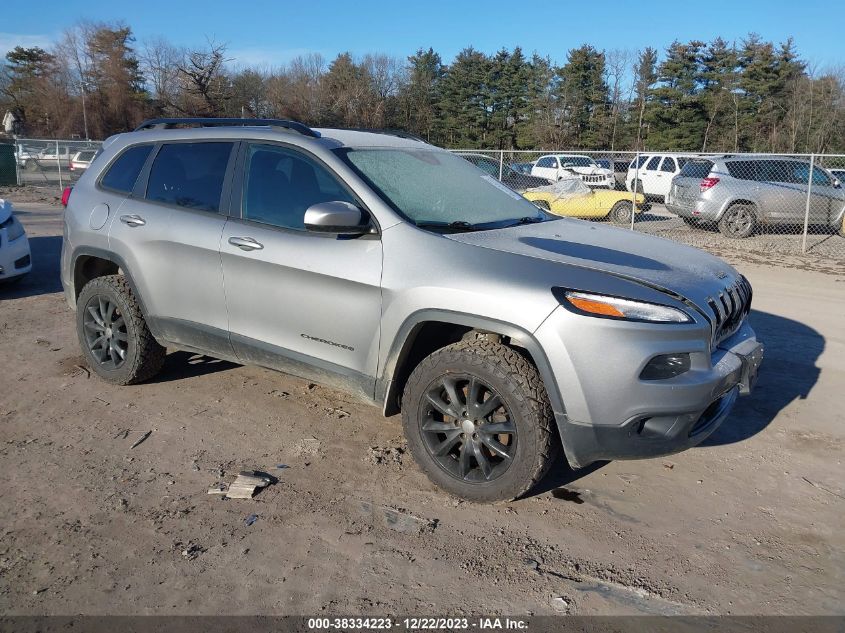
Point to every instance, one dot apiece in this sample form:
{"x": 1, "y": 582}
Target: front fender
{"x": 387, "y": 386}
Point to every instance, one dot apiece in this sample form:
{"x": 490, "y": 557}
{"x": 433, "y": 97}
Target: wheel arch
{"x": 89, "y": 263}
{"x": 735, "y": 201}
{"x": 429, "y": 330}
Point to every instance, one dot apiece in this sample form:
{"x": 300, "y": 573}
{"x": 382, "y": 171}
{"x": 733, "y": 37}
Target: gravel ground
{"x": 749, "y": 523}
{"x": 778, "y": 245}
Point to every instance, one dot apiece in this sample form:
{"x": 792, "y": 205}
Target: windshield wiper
{"x": 531, "y": 219}
{"x": 457, "y": 225}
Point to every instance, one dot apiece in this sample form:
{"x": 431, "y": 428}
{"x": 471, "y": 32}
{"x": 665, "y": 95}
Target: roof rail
{"x": 295, "y": 126}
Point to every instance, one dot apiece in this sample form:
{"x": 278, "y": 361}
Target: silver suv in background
{"x": 740, "y": 194}
{"x": 399, "y": 272}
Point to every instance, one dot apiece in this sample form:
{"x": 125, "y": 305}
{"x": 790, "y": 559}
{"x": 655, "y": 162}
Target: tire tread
{"x": 150, "y": 356}
{"x": 511, "y": 366}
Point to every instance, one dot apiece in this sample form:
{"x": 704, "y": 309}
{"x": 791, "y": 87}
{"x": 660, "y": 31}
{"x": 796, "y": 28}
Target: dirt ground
{"x": 749, "y": 523}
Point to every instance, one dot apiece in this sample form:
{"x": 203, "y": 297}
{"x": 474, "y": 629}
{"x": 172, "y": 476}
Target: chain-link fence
{"x": 758, "y": 203}
{"x": 58, "y": 163}
{"x": 764, "y": 203}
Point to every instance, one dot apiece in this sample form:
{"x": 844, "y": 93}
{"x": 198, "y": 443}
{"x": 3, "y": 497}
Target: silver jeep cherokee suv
{"x": 379, "y": 264}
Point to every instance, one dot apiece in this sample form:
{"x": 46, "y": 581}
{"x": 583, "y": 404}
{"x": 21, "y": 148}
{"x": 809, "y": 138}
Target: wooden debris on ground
{"x": 244, "y": 487}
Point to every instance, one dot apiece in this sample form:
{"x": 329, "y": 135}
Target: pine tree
{"x": 645, "y": 72}
{"x": 420, "y": 96}
{"x": 464, "y": 100}
{"x": 677, "y": 117}
{"x": 584, "y": 98}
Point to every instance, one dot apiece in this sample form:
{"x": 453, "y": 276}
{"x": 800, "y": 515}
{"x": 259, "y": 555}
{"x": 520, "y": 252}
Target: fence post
{"x": 59, "y": 165}
{"x": 501, "y": 164}
{"x": 634, "y": 187}
{"x": 18, "y": 151}
{"x": 807, "y": 205}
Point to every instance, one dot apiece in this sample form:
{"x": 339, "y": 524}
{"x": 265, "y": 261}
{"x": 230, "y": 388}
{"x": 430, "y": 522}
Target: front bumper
{"x": 15, "y": 258}
{"x": 610, "y": 413}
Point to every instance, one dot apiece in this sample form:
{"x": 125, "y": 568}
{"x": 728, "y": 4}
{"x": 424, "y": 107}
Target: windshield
{"x": 436, "y": 187}
{"x": 576, "y": 161}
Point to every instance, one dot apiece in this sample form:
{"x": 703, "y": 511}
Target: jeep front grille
{"x": 730, "y": 308}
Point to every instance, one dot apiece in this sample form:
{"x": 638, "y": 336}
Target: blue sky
{"x": 271, "y": 33}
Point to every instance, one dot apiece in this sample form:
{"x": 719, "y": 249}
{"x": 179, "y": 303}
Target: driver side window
{"x": 281, "y": 184}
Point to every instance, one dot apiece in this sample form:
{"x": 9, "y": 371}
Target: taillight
{"x": 66, "y": 195}
{"x": 707, "y": 183}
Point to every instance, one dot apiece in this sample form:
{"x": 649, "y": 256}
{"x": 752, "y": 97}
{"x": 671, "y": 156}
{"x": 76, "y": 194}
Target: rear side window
{"x": 697, "y": 169}
{"x": 743, "y": 169}
{"x": 778, "y": 171}
{"x": 668, "y": 165}
{"x": 123, "y": 173}
{"x": 652, "y": 164}
{"x": 189, "y": 175}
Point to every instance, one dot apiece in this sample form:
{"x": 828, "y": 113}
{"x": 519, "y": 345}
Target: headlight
{"x": 618, "y": 308}
{"x": 14, "y": 229}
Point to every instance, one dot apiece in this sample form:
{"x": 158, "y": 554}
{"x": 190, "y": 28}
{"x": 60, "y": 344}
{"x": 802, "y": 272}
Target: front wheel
{"x": 478, "y": 421}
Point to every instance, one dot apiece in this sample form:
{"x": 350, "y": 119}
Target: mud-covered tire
{"x": 515, "y": 380}
{"x": 738, "y": 221}
{"x": 621, "y": 212}
{"x": 143, "y": 356}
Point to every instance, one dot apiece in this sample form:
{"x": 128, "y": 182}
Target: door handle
{"x": 133, "y": 220}
{"x": 246, "y": 243}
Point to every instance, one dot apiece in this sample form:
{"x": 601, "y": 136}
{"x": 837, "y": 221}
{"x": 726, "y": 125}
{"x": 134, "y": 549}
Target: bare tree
{"x": 160, "y": 62}
{"x": 203, "y": 79}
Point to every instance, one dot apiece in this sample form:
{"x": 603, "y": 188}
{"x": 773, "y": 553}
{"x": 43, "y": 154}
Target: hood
{"x": 652, "y": 261}
{"x": 591, "y": 171}
{"x": 5, "y": 210}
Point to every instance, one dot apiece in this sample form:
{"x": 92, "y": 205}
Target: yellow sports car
{"x": 571, "y": 197}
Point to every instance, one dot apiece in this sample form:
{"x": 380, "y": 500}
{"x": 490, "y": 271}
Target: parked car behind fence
{"x": 741, "y": 193}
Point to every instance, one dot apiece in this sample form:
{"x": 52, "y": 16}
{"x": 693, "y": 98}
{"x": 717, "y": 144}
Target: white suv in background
{"x": 655, "y": 173}
{"x": 558, "y": 166}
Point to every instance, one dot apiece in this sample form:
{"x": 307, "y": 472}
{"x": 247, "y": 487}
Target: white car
{"x": 82, "y": 160}
{"x": 656, "y": 171}
{"x": 15, "y": 258}
{"x": 557, "y": 166}
{"x": 51, "y": 155}
{"x": 26, "y": 157}
{"x": 839, "y": 174}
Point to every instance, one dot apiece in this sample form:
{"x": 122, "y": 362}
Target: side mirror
{"x": 337, "y": 217}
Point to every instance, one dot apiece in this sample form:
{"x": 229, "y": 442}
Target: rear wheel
{"x": 113, "y": 335}
{"x": 478, "y": 421}
{"x": 621, "y": 212}
{"x": 739, "y": 221}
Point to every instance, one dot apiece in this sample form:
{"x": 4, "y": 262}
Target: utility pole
{"x": 84, "y": 111}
